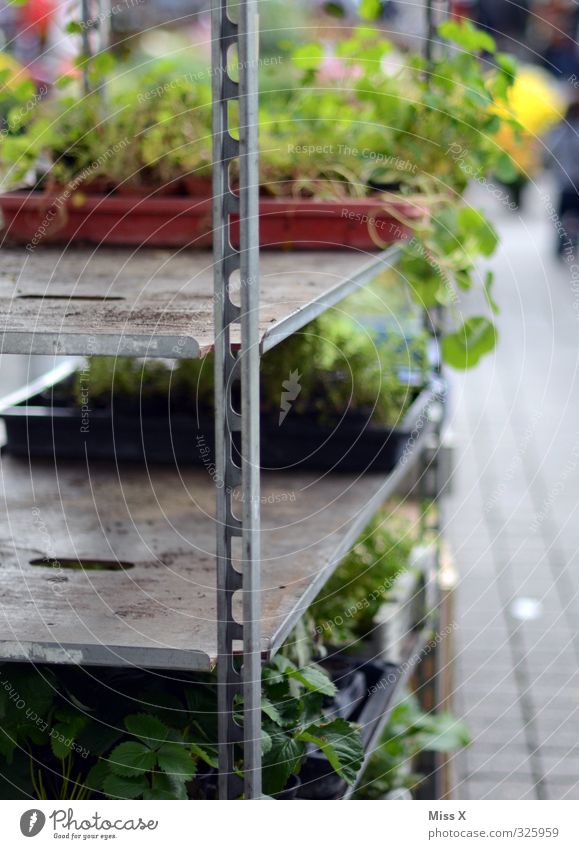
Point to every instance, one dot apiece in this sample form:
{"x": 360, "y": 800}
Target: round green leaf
{"x": 465, "y": 348}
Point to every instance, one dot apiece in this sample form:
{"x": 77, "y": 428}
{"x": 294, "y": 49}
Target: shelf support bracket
{"x": 236, "y": 299}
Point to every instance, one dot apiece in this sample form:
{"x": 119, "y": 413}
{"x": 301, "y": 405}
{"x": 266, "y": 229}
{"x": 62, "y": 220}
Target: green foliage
{"x": 341, "y": 368}
{"x": 71, "y": 734}
{"x": 425, "y": 131}
{"x": 465, "y": 347}
{"x": 409, "y": 732}
{"x": 293, "y": 717}
{"x": 345, "y": 610}
{"x": 153, "y": 128}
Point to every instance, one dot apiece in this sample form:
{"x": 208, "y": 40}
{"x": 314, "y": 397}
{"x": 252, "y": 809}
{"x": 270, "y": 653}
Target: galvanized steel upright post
{"x": 231, "y": 368}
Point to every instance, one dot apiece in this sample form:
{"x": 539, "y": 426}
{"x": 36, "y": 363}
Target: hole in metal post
{"x": 233, "y": 119}
{"x": 237, "y": 549}
{"x": 233, "y": 62}
{"x": 234, "y": 287}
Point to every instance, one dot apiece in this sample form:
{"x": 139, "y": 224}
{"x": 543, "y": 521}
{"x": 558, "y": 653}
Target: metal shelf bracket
{"x": 236, "y": 295}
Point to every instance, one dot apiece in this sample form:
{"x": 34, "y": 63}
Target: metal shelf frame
{"x": 240, "y": 38}
{"x": 238, "y": 341}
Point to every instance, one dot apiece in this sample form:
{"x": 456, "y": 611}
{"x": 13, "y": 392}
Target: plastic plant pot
{"x": 41, "y": 218}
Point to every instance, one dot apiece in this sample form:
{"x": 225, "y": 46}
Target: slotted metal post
{"x": 232, "y": 367}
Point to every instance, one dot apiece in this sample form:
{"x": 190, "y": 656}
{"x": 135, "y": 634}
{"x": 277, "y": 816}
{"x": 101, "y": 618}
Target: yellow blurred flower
{"x": 537, "y": 106}
{"x": 534, "y": 101}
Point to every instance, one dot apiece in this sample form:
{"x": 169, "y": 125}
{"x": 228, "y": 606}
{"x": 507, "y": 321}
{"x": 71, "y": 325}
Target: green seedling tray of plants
{"x": 331, "y": 399}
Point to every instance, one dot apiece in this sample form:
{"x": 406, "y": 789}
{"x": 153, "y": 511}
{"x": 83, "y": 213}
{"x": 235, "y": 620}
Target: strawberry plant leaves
{"x": 177, "y": 761}
{"x": 97, "y": 775}
{"x": 7, "y": 744}
{"x": 341, "y": 743}
{"x": 122, "y": 787}
{"x": 208, "y": 757}
{"x": 64, "y": 734}
{"x": 148, "y": 728}
{"x": 271, "y": 711}
{"x": 266, "y": 742}
{"x": 132, "y": 758}
{"x": 282, "y": 760}
{"x": 315, "y": 679}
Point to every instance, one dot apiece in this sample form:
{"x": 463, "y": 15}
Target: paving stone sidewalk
{"x": 513, "y": 525}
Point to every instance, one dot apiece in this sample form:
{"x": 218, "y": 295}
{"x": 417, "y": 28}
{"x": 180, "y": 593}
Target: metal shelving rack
{"x": 181, "y": 306}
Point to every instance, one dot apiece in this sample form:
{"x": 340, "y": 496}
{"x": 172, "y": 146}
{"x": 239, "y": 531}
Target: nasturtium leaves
{"x": 466, "y": 346}
{"x": 489, "y": 279}
{"x": 505, "y": 168}
{"x": 474, "y": 225}
{"x": 507, "y": 64}
{"x": 467, "y": 36}
{"x": 308, "y": 57}
{"x": 369, "y": 10}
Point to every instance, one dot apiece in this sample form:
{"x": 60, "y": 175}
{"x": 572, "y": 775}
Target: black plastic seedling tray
{"x": 43, "y": 427}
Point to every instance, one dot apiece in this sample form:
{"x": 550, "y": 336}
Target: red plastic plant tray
{"x": 37, "y": 218}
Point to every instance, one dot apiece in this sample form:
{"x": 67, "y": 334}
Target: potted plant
{"x": 140, "y": 735}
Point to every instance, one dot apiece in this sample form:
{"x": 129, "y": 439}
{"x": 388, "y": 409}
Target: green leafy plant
{"x": 342, "y": 369}
{"x": 74, "y": 734}
{"x": 345, "y": 610}
{"x": 409, "y": 732}
{"x": 425, "y": 130}
{"x": 156, "y": 764}
{"x": 419, "y": 133}
{"x": 293, "y": 718}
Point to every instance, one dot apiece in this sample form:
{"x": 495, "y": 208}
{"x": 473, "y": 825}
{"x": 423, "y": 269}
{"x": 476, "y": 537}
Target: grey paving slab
{"x": 513, "y": 522}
